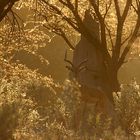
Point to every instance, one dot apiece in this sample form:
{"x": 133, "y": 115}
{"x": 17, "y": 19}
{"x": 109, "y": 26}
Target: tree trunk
{"x": 112, "y": 82}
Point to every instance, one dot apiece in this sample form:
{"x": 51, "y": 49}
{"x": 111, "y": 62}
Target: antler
{"x": 68, "y": 61}
{"x": 82, "y": 63}
{"x": 75, "y": 70}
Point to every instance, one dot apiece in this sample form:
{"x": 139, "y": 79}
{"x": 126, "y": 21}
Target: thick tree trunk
{"x": 100, "y": 73}
{"x": 112, "y": 82}
{"x": 96, "y": 75}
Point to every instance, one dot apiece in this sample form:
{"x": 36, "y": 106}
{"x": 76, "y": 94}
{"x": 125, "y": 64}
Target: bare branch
{"x": 126, "y": 39}
{"x": 130, "y": 43}
{"x": 117, "y": 8}
{"x": 107, "y": 9}
{"x": 76, "y": 5}
{"x": 96, "y": 8}
{"x": 133, "y": 36}
{"x": 70, "y": 5}
{"x": 116, "y": 50}
{"x": 137, "y": 10}
{"x": 63, "y": 2}
{"x": 103, "y": 31}
{"x": 121, "y": 20}
{"x": 59, "y": 12}
{"x": 126, "y": 9}
{"x": 15, "y": 20}
{"x": 63, "y": 35}
{"x": 110, "y": 36}
{"x": 3, "y": 12}
{"x": 73, "y": 9}
{"x": 79, "y": 26}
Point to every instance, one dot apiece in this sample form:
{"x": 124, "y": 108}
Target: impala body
{"x": 89, "y": 70}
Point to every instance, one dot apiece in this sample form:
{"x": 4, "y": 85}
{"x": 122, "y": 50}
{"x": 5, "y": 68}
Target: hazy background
{"x": 54, "y": 52}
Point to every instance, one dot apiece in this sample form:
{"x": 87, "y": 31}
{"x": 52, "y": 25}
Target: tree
{"x": 119, "y": 23}
{"x": 5, "y": 7}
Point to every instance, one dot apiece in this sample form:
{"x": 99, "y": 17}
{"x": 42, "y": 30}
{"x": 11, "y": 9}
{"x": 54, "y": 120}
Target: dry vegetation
{"x": 34, "y": 107}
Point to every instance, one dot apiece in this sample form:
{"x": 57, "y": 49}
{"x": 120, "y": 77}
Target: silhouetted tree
{"x": 5, "y": 7}
{"x": 119, "y": 23}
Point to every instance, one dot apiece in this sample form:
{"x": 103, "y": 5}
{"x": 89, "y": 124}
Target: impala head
{"x": 75, "y": 69}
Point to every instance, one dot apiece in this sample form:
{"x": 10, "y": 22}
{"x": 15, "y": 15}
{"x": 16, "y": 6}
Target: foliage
{"x": 34, "y": 107}
{"x": 118, "y": 21}
{"x": 19, "y": 106}
{"x": 127, "y": 106}
{"x": 92, "y": 125}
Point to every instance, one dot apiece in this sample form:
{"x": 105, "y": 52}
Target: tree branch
{"x": 103, "y": 31}
{"x": 126, "y": 39}
{"x": 130, "y": 43}
{"x": 3, "y": 12}
{"x": 117, "y": 8}
{"x": 107, "y": 9}
{"x": 76, "y": 5}
{"x": 63, "y": 35}
{"x": 126, "y": 9}
{"x": 109, "y": 33}
{"x": 59, "y": 12}
{"x": 80, "y": 26}
{"x": 137, "y": 10}
{"x": 121, "y": 20}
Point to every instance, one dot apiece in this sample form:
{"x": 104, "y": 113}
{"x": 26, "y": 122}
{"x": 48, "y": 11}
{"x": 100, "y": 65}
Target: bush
{"x": 127, "y": 104}
{"x": 34, "y": 107}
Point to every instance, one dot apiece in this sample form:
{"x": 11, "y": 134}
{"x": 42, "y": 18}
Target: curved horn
{"x": 68, "y": 61}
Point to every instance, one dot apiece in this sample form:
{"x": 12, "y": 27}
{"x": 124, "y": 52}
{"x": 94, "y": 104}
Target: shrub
{"x": 34, "y": 107}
